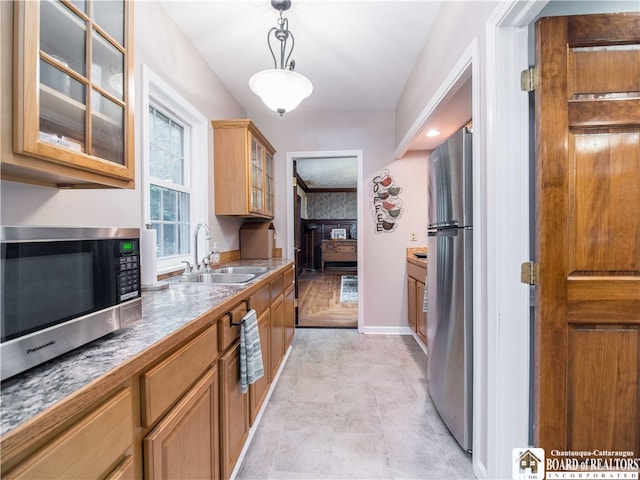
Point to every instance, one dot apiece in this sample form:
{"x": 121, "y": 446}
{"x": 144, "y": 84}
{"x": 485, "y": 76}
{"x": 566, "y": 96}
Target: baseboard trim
{"x": 386, "y": 330}
{"x": 254, "y": 427}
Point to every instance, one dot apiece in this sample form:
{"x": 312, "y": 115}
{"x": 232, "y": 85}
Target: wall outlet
{"x": 414, "y": 236}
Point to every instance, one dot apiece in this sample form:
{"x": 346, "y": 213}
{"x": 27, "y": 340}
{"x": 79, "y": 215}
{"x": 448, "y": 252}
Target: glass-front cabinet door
{"x": 257, "y": 177}
{"x": 268, "y": 184}
{"x": 72, "y": 94}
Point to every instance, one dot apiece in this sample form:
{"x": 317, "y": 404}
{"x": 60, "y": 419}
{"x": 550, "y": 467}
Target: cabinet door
{"x": 72, "y": 97}
{"x": 185, "y": 443}
{"x": 234, "y": 410}
{"x": 421, "y": 317}
{"x": 411, "y": 289}
{"x": 277, "y": 334}
{"x": 258, "y": 390}
{"x": 256, "y": 197}
{"x": 90, "y": 448}
{"x": 289, "y": 317}
{"x": 269, "y": 185}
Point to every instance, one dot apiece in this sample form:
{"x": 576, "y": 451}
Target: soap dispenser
{"x": 215, "y": 255}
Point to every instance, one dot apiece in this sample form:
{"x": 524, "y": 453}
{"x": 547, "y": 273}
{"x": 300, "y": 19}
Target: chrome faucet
{"x": 196, "y": 264}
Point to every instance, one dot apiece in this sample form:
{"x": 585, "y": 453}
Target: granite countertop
{"x": 411, "y": 258}
{"x": 163, "y": 313}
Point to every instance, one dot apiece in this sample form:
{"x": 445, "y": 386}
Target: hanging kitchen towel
{"x": 251, "y": 368}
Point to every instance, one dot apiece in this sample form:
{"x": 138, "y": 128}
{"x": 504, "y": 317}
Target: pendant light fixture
{"x": 280, "y": 88}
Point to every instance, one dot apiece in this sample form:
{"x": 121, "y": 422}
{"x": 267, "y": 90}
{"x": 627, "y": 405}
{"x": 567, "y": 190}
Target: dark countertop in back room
{"x": 163, "y": 312}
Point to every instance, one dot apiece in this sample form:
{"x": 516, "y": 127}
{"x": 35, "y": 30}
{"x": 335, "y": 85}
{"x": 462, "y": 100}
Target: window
{"x": 169, "y": 193}
{"x": 174, "y": 152}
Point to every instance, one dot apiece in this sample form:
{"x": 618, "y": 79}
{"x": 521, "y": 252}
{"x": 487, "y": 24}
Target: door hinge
{"x": 529, "y": 79}
{"x": 530, "y": 273}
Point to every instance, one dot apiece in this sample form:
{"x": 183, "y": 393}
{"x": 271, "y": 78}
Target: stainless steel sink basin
{"x": 218, "y": 278}
{"x": 235, "y": 270}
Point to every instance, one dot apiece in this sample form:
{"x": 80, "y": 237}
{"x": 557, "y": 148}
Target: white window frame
{"x": 156, "y": 92}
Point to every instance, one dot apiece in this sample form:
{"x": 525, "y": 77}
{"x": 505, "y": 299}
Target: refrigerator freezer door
{"x": 449, "y": 331}
{"x": 449, "y": 187}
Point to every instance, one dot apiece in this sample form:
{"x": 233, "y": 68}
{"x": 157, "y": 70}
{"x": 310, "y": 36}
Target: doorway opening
{"x": 325, "y": 212}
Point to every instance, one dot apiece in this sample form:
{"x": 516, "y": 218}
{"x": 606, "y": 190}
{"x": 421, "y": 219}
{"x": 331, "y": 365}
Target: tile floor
{"x": 350, "y": 406}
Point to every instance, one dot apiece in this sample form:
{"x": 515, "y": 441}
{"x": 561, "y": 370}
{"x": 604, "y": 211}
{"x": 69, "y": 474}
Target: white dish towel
{"x": 251, "y": 368}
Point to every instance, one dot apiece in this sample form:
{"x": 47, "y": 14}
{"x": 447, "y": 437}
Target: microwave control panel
{"x": 129, "y": 270}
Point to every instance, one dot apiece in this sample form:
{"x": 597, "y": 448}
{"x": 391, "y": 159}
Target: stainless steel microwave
{"x": 63, "y": 288}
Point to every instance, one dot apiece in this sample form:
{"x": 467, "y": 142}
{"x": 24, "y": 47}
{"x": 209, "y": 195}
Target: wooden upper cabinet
{"x": 243, "y": 170}
{"x": 73, "y": 98}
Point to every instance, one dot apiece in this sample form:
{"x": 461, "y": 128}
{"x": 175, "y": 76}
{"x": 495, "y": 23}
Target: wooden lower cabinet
{"x": 421, "y": 317}
{"x": 234, "y": 410}
{"x": 93, "y": 447}
{"x": 180, "y": 415}
{"x": 289, "y": 317}
{"x": 258, "y": 391}
{"x": 412, "y": 306}
{"x": 185, "y": 443}
{"x": 417, "y": 319}
{"x": 277, "y": 334}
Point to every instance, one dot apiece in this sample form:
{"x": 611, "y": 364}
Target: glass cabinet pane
{"x": 62, "y": 109}
{"x": 107, "y": 122}
{"x": 109, "y": 14}
{"x": 63, "y": 35}
{"x": 107, "y": 65}
{"x": 80, "y": 5}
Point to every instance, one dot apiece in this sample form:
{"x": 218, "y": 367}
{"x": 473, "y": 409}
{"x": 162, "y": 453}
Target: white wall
{"x": 457, "y": 25}
{"x": 384, "y": 254}
{"x": 162, "y": 47}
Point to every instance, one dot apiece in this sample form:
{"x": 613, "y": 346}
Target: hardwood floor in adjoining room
{"x": 319, "y": 301}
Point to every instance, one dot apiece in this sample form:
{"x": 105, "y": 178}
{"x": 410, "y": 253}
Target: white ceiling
{"x": 333, "y": 172}
{"x": 358, "y": 54}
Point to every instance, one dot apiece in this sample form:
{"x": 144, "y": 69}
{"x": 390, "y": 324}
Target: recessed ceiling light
{"x": 433, "y": 133}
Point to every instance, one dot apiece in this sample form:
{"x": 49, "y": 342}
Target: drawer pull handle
{"x": 237, "y": 324}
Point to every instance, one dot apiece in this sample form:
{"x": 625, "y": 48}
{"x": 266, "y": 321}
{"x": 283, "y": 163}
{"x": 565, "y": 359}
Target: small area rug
{"x": 349, "y": 289}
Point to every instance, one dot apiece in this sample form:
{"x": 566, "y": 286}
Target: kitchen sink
{"x": 239, "y": 270}
{"x": 214, "y": 277}
{"x": 224, "y": 275}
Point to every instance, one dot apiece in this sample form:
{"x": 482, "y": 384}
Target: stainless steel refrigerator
{"x": 449, "y": 285}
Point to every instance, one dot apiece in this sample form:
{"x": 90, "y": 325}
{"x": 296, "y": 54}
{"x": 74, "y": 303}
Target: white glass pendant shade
{"x": 280, "y": 90}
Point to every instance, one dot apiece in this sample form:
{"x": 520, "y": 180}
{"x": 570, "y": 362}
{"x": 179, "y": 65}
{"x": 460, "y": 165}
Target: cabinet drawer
{"x": 276, "y": 287}
{"x": 328, "y": 246}
{"x": 340, "y": 257}
{"x": 228, "y": 333}
{"x": 91, "y": 448}
{"x": 124, "y": 471}
{"x": 164, "y": 384}
{"x": 345, "y": 248}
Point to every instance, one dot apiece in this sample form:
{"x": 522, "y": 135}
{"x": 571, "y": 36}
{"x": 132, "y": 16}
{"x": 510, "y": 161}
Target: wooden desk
{"x": 339, "y": 251}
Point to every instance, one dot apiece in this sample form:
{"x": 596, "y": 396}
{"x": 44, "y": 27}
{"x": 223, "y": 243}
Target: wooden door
{"x": 587, "y": 370}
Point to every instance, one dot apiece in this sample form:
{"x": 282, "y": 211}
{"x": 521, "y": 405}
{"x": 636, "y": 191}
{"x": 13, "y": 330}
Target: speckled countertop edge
{"x": 163, "y": 312}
